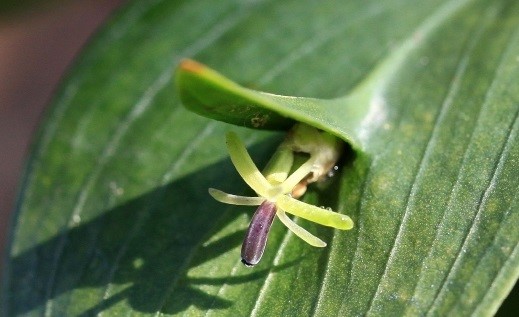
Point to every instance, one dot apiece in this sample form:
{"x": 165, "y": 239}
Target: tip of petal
{"x": 213, "y": 192}
{"x": 322, "y": 245}
{"x": 345, "y": 223}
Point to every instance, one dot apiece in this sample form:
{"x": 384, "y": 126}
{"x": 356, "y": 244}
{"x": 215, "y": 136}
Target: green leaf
{"x": 208, "y": 93}
{"x": 114, "y": 216}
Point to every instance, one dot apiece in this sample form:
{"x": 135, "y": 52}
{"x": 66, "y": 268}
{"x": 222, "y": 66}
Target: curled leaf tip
{"x": 208, "y": 93}
{"x": 192, "y": 66}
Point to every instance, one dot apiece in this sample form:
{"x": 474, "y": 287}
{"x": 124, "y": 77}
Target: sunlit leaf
{"x": 114, "y": 215}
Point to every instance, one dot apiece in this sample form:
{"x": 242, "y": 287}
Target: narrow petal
{"x": 319, "y": 215}
{"x": 297, "y": 176}
{"x": 279, "y": 165}
{"x": 235, "y": 199}
{"x": 246, "y": 167}
{"x": 300, "y": 231}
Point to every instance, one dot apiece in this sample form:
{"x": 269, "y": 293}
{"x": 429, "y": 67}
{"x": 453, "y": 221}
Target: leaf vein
{"x": 312, "y": 44}
{"x": 358, "y": 228}
{"x": 510, "y": 261}
{"x": 473, "y": 228}
{"x": 431, "y": 142}
{"x": 455, "y": 82}
{"x": 499, "y": 69}
{"x": 488, "y": 250}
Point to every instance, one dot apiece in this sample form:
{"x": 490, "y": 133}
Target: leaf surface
{"x": 114, "y": 215}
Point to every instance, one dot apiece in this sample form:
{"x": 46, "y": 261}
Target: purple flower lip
{"x": 256, "y": 237}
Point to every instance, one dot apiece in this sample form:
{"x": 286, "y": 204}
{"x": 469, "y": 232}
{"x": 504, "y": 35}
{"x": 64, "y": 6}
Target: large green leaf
{"x": 114, "y": 215}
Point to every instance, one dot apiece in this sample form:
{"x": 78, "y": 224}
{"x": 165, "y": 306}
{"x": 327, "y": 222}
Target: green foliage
{"x": 114, "y": 214}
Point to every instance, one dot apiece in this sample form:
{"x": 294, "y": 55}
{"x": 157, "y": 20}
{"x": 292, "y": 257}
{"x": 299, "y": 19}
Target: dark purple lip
{"x": 257, "y": 234}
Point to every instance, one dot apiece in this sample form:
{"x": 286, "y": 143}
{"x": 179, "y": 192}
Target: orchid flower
{"x": 275, "y": 188}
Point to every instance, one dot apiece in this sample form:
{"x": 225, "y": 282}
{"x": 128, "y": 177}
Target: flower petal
{"x": 231, "y": 199}
{"x": 313, "y": 213}
{"x": 297, "y": 176}
{"x": 279, "y": 165}
{"x": 246, "y": 167}
{"x": 300, "y": 231}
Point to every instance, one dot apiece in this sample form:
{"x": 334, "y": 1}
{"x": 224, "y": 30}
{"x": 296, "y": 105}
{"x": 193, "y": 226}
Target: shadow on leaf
{"x": 139, "y": 252}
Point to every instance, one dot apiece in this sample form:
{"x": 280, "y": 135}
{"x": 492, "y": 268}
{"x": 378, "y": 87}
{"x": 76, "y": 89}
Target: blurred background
{"x": 37, "y": 45}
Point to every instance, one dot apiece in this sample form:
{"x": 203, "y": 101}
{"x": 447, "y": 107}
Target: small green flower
{"x": 274, "y": 189}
